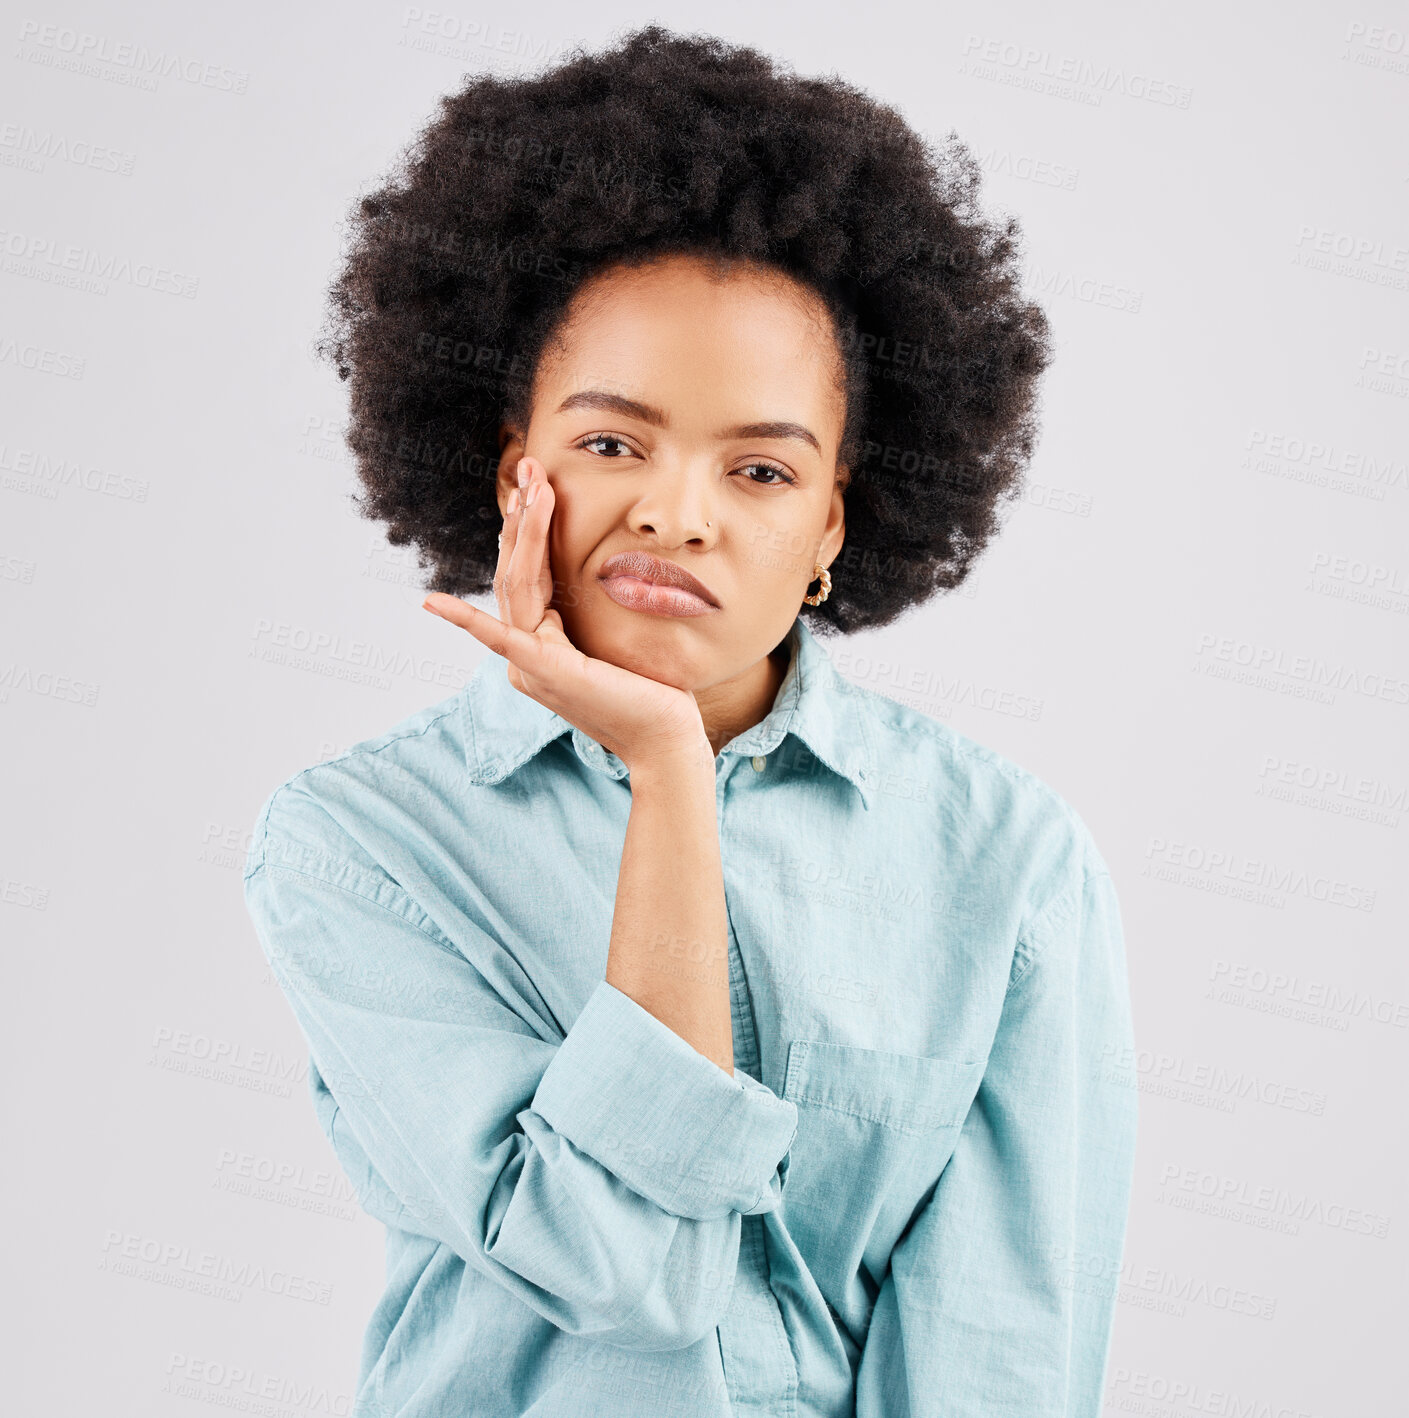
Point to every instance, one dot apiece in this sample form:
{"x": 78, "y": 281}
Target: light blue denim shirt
{"x": 909, "y": 1198}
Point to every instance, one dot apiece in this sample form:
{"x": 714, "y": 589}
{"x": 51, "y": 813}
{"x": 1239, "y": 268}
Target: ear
{"x": 511, "y": 449}
{"x": 834, "y": 534}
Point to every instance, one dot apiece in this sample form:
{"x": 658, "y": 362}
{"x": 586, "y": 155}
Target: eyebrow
{"x": 632, "y": 408}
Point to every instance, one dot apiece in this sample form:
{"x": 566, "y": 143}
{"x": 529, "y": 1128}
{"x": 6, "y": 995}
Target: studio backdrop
{"x": 1191, "y": 626}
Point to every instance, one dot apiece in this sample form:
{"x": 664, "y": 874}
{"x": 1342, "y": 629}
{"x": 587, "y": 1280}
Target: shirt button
{"x": 759, "y": 762}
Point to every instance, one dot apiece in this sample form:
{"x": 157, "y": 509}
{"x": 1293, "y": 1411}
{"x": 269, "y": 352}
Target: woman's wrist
{"x": 669, "y": 947}
{"x": 674, "y": 766}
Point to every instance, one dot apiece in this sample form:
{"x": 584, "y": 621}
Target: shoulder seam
{"x": 261, "y": 822}
{"x": 432, "y": 935}
{"x": 1052, "y": 916}
{"x": 1028, "y": 948}
{"x": 1055, "y": 912}
{"x": 355, "y": 749}
{"x": 961, "y": 746}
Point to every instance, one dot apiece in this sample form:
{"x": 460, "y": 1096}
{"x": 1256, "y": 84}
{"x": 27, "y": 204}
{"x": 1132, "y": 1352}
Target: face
{"x": 693, "y": 416}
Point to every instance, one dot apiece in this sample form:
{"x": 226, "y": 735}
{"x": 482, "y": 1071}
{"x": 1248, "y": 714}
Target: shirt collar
{"x": 504, "y": 728}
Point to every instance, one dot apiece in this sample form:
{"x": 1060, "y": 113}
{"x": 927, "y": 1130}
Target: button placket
{"x": 759, "y": 1368}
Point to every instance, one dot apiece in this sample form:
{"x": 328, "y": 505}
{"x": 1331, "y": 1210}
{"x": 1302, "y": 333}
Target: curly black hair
{"x": 459, "y": 268}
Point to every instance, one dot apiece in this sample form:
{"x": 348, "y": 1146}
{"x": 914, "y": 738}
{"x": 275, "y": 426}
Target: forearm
{"x": 670, "y": 933}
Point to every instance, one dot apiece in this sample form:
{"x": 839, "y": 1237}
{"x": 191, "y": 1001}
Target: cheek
{"x": 572, "y": 534}
{"x": 779, "y": 554}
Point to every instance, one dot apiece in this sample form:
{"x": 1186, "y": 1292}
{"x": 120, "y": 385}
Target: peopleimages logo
{"x": 62, "y": 47}
{"x": 1296, "y": 1208}
{"x": 280, "y": 642}
{"x": 223, "y": 1277}
{"x": 1307, "y": 676}
{"x": 1065, "y": 75}
{"x": 1297, "y": 996}
{"x": 249, "y": 1389}
{"x": 41, "y": 359}
{"x": 44, "y": 258}
{"x": 23, "y": 146}
{"x": 1194, "y": 859}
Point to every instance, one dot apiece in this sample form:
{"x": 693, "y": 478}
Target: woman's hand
{"x": 639, "y": 719}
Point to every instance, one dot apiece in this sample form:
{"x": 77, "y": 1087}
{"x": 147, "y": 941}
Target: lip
{"x": 640, "y": 581}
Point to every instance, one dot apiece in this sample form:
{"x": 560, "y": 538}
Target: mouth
{"x": 642, "y": 582}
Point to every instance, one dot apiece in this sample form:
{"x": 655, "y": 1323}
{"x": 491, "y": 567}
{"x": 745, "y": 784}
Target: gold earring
{"x": 819, "y": 571}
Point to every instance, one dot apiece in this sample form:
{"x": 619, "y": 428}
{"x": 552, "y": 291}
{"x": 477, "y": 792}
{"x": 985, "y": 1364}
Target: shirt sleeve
{"x": 598, "y": 1176}
{"x": 999, "y": 1301}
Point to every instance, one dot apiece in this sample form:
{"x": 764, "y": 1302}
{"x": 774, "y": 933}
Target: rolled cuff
{"x": 671, "y": 1124}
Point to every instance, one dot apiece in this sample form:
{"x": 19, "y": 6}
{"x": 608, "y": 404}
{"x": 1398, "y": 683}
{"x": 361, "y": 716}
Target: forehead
{"x": 678, "y": 322}
{"x": 696, "y": 278}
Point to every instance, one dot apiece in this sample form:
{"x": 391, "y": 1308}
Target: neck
{"x": 731, "y": 708}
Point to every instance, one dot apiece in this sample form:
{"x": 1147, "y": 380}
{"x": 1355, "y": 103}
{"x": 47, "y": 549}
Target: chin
{"x": 664, "y": 648}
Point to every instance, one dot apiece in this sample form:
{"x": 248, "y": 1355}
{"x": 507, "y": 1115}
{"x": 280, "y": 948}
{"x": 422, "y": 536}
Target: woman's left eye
{"x": 779, "y": 473}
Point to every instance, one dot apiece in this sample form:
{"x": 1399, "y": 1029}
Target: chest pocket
{"x": 875, "y": 1130}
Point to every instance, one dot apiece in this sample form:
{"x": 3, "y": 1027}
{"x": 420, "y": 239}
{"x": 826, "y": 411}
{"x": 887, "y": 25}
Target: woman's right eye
{"x": 603, "y": 438}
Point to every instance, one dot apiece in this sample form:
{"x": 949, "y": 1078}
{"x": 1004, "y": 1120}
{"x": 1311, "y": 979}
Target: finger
{"x": 546, "y": 494}
{"x": 461, "y": 613}
{"x": 514, "y": 609}
{"x": 539, "y": 520}
{"x": 547, "y": 658}
{"x": 529, "y": 583}
{"x": 508, "y": 539}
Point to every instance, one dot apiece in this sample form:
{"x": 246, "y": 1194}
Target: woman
{"x": 711, "y": 1035}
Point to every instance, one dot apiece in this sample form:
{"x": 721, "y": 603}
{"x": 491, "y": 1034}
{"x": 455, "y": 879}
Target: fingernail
{"x": 513, "y": 502}
{"x": 523, "y": 472}
{"x": 528, "y": 496}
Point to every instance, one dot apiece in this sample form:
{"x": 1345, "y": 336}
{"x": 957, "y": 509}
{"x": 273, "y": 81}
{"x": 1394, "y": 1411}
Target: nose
{"x": 677, "y": 504}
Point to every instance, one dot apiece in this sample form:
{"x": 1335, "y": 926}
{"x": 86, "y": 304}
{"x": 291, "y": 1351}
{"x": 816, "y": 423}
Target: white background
{"x": 1203, "y": 593}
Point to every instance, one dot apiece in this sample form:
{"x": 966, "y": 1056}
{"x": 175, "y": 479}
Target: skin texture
{"x": 521, "y": 188}
{"x": 711, "y": 351}
{"x": 710, "y": 348}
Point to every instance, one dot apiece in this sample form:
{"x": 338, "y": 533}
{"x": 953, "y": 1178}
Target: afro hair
{"x": 458, "y": 270}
